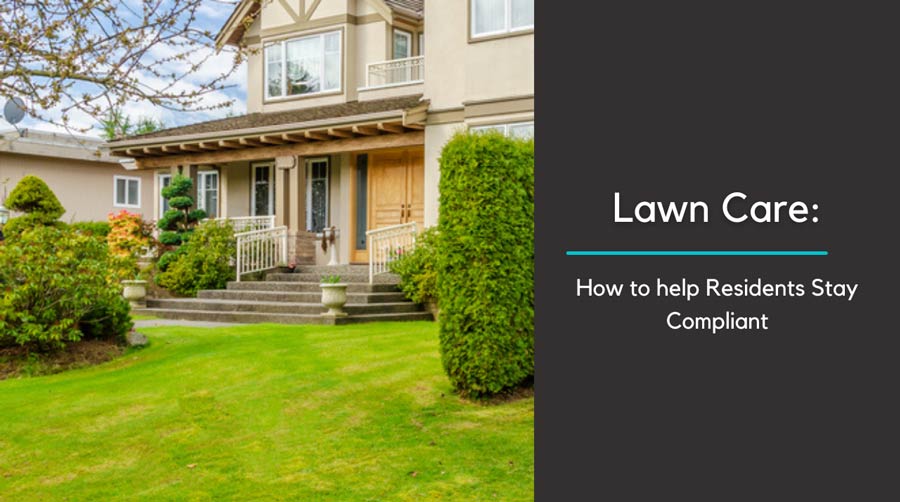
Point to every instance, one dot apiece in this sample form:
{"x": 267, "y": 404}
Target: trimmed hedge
{"x": 485, "y": 267}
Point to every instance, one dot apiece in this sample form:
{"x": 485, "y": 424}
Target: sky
{"x": 212, "y": 16}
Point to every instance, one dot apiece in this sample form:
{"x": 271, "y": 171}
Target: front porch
{"x": 356, "y": 167}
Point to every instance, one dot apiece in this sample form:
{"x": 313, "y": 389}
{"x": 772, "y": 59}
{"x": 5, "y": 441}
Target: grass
{"x": 264, "y": 412}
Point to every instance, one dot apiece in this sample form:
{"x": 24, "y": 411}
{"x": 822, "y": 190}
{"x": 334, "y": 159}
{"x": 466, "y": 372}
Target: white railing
{"x": 387, "y": 244}
{"x": 250, "y": 223}
{"x": 260, "y": 250}
{"x": 395, "y": 72}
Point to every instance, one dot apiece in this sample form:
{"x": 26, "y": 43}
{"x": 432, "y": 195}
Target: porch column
{"x": 223, "y": 192}
{"x": 281, "y": 192}
{"x": 297, "y": 180}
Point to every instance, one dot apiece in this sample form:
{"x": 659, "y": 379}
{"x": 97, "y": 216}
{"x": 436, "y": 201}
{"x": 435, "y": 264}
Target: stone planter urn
{"x": 334, "y": 296}
{"x": 136, "y": 293}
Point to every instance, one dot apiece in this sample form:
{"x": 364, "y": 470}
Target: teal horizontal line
{"x": 697, "y": 253}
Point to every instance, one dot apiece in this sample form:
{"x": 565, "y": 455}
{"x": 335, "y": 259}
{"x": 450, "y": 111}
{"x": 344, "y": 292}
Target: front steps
{"x": 294, "y": 298}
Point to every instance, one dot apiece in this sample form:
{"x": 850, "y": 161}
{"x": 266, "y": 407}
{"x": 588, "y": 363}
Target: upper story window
{"x": 402, "y": 44}
{"x": 305, "y": 65}
{"x": 495, "y": 17}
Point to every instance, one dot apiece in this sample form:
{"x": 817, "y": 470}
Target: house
{"x": 87, "y": 181}
{"x": 349, "y": 104}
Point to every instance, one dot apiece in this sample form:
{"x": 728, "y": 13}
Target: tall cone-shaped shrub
{"x": 485, "y": 263}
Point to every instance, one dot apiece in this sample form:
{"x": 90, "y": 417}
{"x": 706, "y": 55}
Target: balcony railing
{"x": 395, "y": 72}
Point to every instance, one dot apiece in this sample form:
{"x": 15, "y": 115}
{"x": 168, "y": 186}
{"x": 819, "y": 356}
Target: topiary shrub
{"x": 178, "y": 222}
{"x": 34, "y": 198}
{"x": 417, "y": 268}
{"x": 203, "y": 262}
{"x": 56, "y": 285}
{"x": 485, "y": 265}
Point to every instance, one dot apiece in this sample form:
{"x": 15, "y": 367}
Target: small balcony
{"x": 395, "y": 73}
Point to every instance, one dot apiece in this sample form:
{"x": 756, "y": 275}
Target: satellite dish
{"x": 14, "y": 111}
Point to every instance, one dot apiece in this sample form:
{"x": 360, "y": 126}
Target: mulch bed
{"x": 18, "y": 361}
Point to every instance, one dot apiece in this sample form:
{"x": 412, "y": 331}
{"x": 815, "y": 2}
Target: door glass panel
{"x": 262, "y": 191}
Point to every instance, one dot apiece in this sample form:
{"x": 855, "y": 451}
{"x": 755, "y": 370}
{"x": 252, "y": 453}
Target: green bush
{"x": 93, "y": 228}
{"x": 34, "y": 198}
{"x": 417, "y": 268}
{"x": 31, "y": 195}
{"x": 203, "y": 262}
{"x": 56, "y": 286}
{"x": 485, "y": 265}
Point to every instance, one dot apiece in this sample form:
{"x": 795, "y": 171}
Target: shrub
{"x": 417, "y": 268}
{"x": 203, "y": 262}
{"x": 485, "y": 265}
{"x": 92, "y": 228}
{"x": 34, "y": 198}
{"x": 179, "y": 221}
{"x": 56, "y": 285}
{"x": 128, "y": 234}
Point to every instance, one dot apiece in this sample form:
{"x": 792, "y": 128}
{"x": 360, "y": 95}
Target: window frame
{"x": 283, "y": 43}
{"x": 409, "y": 43}
{"x": 507, "y": 31}
{"x": 127, "y": 179}
{"x": 162, "y": 200}
{"x": 271, "y": 201}
{"x": 201, "y": 191}
{"x": 309, "y": 180}
{"x": 505, "y": 126}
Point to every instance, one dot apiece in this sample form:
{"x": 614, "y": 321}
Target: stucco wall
{"x": 84, "y": 188}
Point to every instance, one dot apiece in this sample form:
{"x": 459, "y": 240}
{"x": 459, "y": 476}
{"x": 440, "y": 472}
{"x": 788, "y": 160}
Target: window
{"x": 402, "y": 44}
{"x": 208, "y": 193}
{"x": 164, "y": 181}
{"x": 516, "y": 130}
{"x": 421, "y": 44}
{"x": 263, "y": 192}
{"x": 306, "y": 65}
{"x": 494, "y": 17}
{"x": 317, "y": 194}
{"x": 126, "y": 191}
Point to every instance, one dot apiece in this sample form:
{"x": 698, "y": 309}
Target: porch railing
{"x": 395, "y": 72}
{"x": 259, "y": 250}
{"x": 387, "y": 244}
{"x": 250, "y": 223}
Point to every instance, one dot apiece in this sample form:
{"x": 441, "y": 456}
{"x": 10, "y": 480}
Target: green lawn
{"x": 264, "y": 412}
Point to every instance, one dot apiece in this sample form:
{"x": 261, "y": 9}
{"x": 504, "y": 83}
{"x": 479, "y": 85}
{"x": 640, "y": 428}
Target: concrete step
{"x": 256, "y": 317}
{"x": 298, "y": 297}
{"x": 264, "y": 307}
{"x": 349, "y": 278}
{"x": 307, "y": 287}
{"x": 332, "y": 270}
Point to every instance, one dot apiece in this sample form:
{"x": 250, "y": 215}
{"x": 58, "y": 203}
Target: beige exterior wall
{"x": 84, "y": 188}
{"x": 470, "y": 83}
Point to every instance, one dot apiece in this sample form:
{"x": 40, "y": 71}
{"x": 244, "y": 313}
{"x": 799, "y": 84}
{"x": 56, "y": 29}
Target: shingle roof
{"x": 417, "y": 6}
{"x": 253, "y": 120}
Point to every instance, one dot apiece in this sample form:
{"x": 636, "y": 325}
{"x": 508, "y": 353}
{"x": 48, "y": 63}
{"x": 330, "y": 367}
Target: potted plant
{"x": 334, "y": 295}
{"x": 135, "y": 292}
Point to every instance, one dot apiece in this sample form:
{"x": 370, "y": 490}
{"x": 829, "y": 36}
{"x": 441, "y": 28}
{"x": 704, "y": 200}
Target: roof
{"x": 258, "y": 120}
{"x": 56, "y": 145}
{"x": 259, "y": 130}
{"x": 416, "y": 7}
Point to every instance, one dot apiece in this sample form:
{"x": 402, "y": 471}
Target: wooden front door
{"x": 396, "y": 191}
